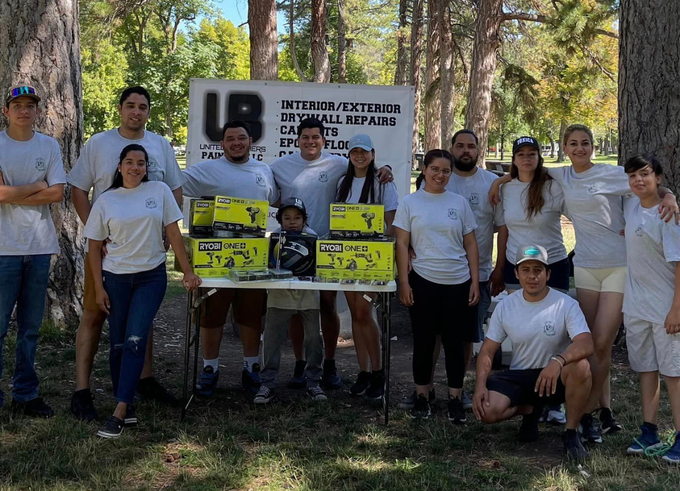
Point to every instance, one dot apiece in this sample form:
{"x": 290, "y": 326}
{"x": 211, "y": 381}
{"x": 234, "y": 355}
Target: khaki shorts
{"x": 601, "y": 279}
{"x": 249, "y": 307}
{"x": 89, "y": 293}
{"x": 651, "y": 348}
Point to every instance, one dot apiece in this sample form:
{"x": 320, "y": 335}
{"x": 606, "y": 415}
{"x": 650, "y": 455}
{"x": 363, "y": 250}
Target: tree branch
{"x": 524, "y": 16}
{"x": 604, "y": 32}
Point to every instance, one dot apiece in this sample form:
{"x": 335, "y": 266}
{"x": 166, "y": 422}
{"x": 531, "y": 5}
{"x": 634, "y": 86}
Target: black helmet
{"x": 291, "y": 202}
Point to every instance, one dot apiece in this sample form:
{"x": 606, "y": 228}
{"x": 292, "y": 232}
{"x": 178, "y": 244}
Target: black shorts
{"x": 559, "y": 275}
{"x": 518, "y": 386}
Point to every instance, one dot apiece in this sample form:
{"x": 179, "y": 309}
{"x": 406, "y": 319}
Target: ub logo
{"x": 593, "y": 188}
{"x": 323, "y": 176}
{"x": 259, "y": 179}
{"x": 638, "y": 231}
{"x": 153, "y": 164}
{"x": 151, "y": 203}
{"x": 453, "y": 214}
{"x": 549, "y": 328}
{"x": 40, "y": 164}
{"x": 474, "y": 199}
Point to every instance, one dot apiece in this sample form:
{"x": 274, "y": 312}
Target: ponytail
{"x": 419, "y": 180}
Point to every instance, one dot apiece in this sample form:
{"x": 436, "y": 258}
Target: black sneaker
{"x": 112, "y": 428}
{"x": 573, "y": 448}
{"x": 264, "y": 395}
{"x": 421, "y": 409}
{"x": 376, "y": 389}
{"x": 590, "y": 433}
{"x": 363, "y": 382}
{"x": 330, "y": 380}
{"x": 130, "y": 417}
{"x": 150, "y": 389}
{"x": 35, "y": 408}
{"x": 82, "y": 405}
{"x": 298, "y": 380}
{"x": 528, "y": 430}
{"x": 608, "y": 422}
{"x": 409, "y": 401}
{"x": 456, "y": 411}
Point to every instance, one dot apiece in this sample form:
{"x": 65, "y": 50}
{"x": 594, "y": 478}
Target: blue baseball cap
{"x": 361, "y": 141}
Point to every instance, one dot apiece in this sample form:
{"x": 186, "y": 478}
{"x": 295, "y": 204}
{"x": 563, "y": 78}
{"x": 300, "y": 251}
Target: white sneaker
{"x": 316, "y": 393}
{"x": 556, "y": 417}
{"x": 264, "y": 395}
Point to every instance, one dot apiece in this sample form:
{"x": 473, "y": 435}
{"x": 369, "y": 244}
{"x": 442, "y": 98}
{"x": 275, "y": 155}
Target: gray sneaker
{"x": 317, "y": 394}
{"x": 467, "y": 401}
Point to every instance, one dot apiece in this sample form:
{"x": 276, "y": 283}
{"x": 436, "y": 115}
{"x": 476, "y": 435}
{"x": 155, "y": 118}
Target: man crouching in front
{"x": 551, "y": 343}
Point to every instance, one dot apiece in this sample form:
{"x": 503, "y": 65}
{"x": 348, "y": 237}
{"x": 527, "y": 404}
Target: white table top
{"x": 295, "y": 284}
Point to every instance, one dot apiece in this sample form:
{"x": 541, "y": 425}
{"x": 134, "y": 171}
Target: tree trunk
{"x": 485, "y": 47}
{"x": 40, "y": 45}
{"x": 322, "y": 64}
{"x": 291, "y": 41}
{"x": 264, "y": 54}
{"x": 401, "y": 73}
{"x": 446, "y": 74}
{"x": 433, "y": 112}
{"x": 552, "y": 148}
{"x": 342, "y": 44}
{"x": 649, "y": 105}
{"x": 560, "y": 145}
{"x": 416, "y": 62}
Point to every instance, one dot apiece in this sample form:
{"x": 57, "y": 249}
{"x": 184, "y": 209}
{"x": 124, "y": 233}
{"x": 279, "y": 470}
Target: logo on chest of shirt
{"x": 638, "y": 231}
{"x": 40, "y": 164}
{"x": 453, "y": 214}
{"x": 153, "y": 164}
{"x": 474, "y": 199}
{"x": 593, "y": 188}
{"x": 323, "y": 176}
{"x": 151, "y": 203}
{"x": 549, "y": 328}
{"x": 259, "y": 179}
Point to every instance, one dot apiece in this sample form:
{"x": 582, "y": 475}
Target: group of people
{"x": 627, "y": 258}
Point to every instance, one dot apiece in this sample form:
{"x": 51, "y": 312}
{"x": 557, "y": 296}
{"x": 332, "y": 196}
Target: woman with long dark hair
{"x": 130, "y": 281}
{"x": 360, "y": 185}
{"x": 439, "y": 226}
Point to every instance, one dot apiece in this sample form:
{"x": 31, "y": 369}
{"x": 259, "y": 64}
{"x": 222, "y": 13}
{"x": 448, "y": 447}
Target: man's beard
{"x": 464, "y": 166}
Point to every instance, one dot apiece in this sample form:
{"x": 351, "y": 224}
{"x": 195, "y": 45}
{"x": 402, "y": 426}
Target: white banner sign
{"x": 274, "y": 109}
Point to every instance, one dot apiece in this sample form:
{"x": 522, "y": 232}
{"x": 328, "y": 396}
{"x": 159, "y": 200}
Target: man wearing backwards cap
{"x": 551, "y": 345}
{"x": 31, "y": 178}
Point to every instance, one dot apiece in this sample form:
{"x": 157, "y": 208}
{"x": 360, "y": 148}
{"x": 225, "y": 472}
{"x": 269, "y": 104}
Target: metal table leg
{"x": 385, "y": 324}
{"x": 187, "y": 345}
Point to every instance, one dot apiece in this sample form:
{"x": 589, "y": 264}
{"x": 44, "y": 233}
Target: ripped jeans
{"x": 135, "y": 299}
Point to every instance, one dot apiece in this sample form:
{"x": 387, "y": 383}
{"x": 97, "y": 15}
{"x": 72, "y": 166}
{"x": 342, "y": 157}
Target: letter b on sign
{"x": 248, "y": 108}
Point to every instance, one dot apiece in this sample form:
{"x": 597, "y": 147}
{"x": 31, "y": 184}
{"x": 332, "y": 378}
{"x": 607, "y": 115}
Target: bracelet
{"x": 563, "y": 359}
{"x": 558, "y": 361}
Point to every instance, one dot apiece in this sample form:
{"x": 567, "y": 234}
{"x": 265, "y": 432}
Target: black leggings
{"x": 440, "y": 310}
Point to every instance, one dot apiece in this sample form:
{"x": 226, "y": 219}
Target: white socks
{"x": 214, "y": 363}
{"x": 249, "y": 361}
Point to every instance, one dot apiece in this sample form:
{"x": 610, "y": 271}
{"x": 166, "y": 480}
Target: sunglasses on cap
{"x": 21, "y": 91}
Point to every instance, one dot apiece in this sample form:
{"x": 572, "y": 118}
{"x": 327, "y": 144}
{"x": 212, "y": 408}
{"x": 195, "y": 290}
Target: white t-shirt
{"x": 653, "y": 248}
{"x": 294, "y": 299}
{"x": 98, "y": 161}
{"x": 537, "y": 330}
{"x": 133, "y": 219}
{"x": 543, "y": 229}
{"x": 29, "y": 230}
{"x": 220, "y": 177}
{"x": 315, "y": 183}
{"x": 385, "y": 194}
{"x": 475, "y": 189}
{"x": 595, "y": 204}
{"x": 437, "y": 224}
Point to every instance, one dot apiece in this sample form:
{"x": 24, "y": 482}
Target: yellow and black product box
{"x": 358, "y": 260}
{"x": 216, "y": 257}
{"x": 201, "y": 215}
{"x": 357, "y": 221}
{"x": 240, "y": 215}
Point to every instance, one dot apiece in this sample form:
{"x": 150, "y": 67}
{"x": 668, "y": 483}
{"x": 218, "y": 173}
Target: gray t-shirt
{"x": 293, "y": 299}
{"x": 537, "y": 330}
{"x": 29, "y": 230}
{"x": 437, "y": 224}
{"x": 475, "y": 189}
{"x": 220, "y": 177}
{"x": 595, "y": 204}
{"x": 543, "y": 229}
{"x": 385, "y": 194}
{"x": 133, "y": 219}
{"x": 653, "y": 248}
{"x": 97, "y": 163}
{"x": 315, "y": 183}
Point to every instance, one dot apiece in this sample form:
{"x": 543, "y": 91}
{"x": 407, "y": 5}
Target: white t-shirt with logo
{"x": 133, "y": 219}
{"x": 595, "y": 204}
{"x": 384, "y": 194}
{"x": 315, "y": 183}
{"x": 653, "y": 248}
{"x": 220, "y": 177}
{"x": 544, "y": 229}
{"x": 29, "y": 230}
{"x": 475, "y": 189}
{"x": 98, "y": 161}
{"x": 537, "y": 330}
{"x": 437, "y": 224}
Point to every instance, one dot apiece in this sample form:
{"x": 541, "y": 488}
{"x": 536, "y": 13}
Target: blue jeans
{"x": 135, "y": 299}
{"x": 482, "y": 309}
{"x": 23, "y": 282}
